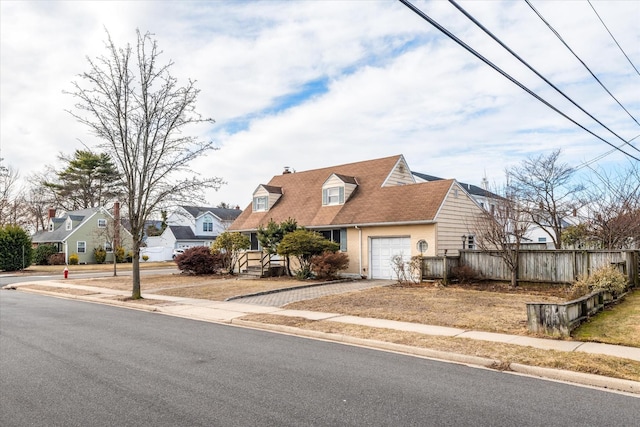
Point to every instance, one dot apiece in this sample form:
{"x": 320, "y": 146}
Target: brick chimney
{"x": 116, "y": 225}
{"x": 52, "y": 213}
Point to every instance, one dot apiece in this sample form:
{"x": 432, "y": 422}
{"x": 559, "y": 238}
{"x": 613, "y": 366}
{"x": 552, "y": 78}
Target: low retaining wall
{"x": 559, "y": 319}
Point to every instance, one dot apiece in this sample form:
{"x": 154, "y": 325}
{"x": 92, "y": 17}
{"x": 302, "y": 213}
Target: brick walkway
{"x": 282, "y": 298}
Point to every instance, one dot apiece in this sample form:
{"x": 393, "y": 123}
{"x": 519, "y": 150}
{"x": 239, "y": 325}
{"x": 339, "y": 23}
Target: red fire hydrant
{"x": 66, "y": 273}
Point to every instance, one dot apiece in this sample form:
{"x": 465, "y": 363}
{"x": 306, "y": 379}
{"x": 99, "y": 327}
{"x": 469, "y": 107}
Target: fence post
{"x": 445, "y": 269}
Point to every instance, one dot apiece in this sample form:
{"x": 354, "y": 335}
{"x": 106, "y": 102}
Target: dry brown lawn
{"x": 216, "y": 287}
{"x": 495, "y": 309}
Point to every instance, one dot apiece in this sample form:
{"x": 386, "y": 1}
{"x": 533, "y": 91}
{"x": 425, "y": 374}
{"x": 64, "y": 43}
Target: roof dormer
{"x": 337, "y": 189}
{"x": 265, "y": 197}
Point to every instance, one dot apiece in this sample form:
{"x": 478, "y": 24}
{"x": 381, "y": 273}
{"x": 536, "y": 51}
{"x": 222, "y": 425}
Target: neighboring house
{"x": 374, "y": 209}
{"x": 80, "y": 232}
{"x": 187, "y": 227}
{"x": 485, "y": 198}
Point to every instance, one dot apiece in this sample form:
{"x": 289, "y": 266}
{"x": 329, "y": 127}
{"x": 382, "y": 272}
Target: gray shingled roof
{"x": 222, "y": 213}
{"x": 60, "y": 233}
{"x": 474, "y": 190}
{"x": 184, "y": 232}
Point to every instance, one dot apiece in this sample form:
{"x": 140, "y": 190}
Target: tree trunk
{"x": 135, "y": 293}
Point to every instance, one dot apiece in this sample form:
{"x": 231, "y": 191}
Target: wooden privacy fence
{"x": 540, "y": 266}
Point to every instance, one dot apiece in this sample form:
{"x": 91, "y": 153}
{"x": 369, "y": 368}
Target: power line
{"x": 579, "y": 59}
{"x": 490, "y": 34}
{"x": 614, "y": 39}
{"x": 506, "y": 75}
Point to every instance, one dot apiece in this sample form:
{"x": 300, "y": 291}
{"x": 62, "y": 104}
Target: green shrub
{"x": 74, "y": 259}
{"x": 15, "y": 248}
{"x": 607, "y": 279}
{"x": 42, "y": 253}
{"x": 120, "y": 254}
{"x": 100, "y": 255}
{"x": 145, "y": 258}
{"x": 328, "y": 264}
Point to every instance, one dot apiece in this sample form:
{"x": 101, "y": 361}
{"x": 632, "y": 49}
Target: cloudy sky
{"x": 310, "y": 84}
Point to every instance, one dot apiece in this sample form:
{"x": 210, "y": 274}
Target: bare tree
{"x": 613, "y": 213}
{"x": 502, "y": 230}
{"x": 547, "y": 192}
{"x": 10, "y": 201}
{"x": 141, "y": 116}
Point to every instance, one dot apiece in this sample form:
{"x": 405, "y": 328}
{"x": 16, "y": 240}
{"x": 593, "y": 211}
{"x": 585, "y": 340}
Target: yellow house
{"x": 374, "y": 209}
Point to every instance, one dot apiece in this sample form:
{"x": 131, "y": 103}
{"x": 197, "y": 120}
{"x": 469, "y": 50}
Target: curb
{"x": 578, "y": 377}
{"x": 363, "y": 342}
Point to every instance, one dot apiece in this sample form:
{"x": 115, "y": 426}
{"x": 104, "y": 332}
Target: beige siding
{"x": 272, "y": 198}
{"x": 400, "y": 175}
{"x": 455, "y": 218}
{"x": 358, "y": 240}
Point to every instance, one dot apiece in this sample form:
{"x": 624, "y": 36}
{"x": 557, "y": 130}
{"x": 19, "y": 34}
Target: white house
{"x": 189, "y": 226}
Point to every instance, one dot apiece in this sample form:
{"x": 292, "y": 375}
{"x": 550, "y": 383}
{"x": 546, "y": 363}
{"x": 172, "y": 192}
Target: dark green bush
{"x": 42, "y": 253}
{"x": 15, "y": 248}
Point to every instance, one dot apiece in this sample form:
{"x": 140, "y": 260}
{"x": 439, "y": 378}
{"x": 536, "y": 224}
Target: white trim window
{"x": 333, "y": 196}
{"x": 102, "y": 223}
{"x": 81, "y": 247}
{"x": 68, "y": 225}
{"x": 471, "y": 242}
{"x": 207, "y": 224}
{"x": 107, "y": 247}
{"x": 260, "y": 203}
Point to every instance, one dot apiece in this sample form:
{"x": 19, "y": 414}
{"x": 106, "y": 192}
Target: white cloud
{"x": 394, "y": 85}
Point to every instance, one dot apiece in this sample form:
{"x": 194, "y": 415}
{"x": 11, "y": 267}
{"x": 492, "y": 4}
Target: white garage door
{"x": 383, "y": 249}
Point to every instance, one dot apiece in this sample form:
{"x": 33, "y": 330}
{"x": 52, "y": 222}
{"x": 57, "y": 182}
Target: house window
{"x": 339, "y": 235}
{"x": 471, "y": 244}
{"x": 333, "y": 196}
{"x": 51, "y": 226}
{"x": 102, "y": 223}
{"x": 542, "y": 240}
{"x": 82, "y": 247}
{"x": 260, "y": 203}
{"x": 207, "y": 224}
{"x": 107, "y": 247}
{"x": 68, "y": 225}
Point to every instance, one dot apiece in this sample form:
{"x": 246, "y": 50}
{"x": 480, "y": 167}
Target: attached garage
{"x": 382, "y": 250}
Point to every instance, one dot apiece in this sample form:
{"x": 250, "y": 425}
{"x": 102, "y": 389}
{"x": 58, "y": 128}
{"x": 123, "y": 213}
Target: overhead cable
{"x": 490, "y": 34}
{"x": 579, "y": 59}
{"x": 506, "y": 75}
{"x": 614, "y": 39}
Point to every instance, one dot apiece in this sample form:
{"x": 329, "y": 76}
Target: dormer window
{"x": 337, "y": 189}
{"x": 50, "y": 225}
{"x": 260, "y": 203}
{"x": 207, "y": 224}
{"x": 68, "y": 225}
{"x": 333, "y": 196}
{"x": 265, "y": 197}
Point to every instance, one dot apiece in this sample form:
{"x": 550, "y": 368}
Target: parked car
{"x": 177, "y": 252}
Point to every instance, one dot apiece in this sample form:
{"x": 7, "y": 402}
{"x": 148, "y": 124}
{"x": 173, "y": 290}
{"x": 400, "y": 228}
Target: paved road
{"x": 279, "y": 299}
{"x": 71, "y": 363}
{"x": 9, "y": 278}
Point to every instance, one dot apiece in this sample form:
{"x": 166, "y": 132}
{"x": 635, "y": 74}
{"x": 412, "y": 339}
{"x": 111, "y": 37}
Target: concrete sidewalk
{"x": 232, "y": 311}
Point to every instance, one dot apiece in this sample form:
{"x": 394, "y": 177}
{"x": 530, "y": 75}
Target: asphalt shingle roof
{"x": 370, "y": 203}
{"x": 222, "y": 213}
